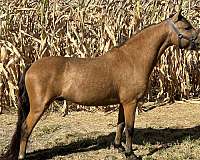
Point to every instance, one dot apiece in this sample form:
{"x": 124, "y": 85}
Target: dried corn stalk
{"x": 30, "y": 30}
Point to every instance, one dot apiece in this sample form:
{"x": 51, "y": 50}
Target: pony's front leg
{"x": 129, "y": 113}
{"x": 120, "y": 129}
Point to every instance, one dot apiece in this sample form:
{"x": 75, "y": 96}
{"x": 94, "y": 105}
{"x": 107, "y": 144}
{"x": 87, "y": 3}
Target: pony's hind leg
{"x": 120, "y": 128}
{"x": 27, "y": 127}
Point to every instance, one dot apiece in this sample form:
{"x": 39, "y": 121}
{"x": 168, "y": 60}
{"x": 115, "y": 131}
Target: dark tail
{"x": 23, "y": 110}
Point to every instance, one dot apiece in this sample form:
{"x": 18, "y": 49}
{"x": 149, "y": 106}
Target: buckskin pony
{"x": 118, "y": 77}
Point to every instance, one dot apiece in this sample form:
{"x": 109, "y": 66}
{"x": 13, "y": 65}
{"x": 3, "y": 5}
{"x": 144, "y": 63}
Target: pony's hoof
{"x": 119, "y": 147}
{"x": 20, "y": 157}
{"x": 131, "y": 156}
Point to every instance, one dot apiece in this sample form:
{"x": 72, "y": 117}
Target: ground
{"x": 167, "y": 132}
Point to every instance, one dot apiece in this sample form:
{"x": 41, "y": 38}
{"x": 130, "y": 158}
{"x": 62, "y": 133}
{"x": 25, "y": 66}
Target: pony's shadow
{"x": 142, "y": 135}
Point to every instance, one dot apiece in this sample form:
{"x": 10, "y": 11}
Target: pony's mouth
{"x": 193, "y": 46}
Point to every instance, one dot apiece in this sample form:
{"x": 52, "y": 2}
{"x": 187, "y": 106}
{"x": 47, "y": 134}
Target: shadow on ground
{"x": 142, "y": 135}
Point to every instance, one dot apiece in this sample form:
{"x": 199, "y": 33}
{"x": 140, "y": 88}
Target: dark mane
{"x": 135, "y": 34}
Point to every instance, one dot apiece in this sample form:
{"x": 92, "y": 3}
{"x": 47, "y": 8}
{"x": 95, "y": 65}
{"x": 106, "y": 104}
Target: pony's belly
{"x": 96, "y": 101}
{"x": 91, "y": 96}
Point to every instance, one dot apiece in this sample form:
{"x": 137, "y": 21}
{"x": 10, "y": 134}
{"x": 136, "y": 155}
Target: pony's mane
{"x": 138, "y": 32}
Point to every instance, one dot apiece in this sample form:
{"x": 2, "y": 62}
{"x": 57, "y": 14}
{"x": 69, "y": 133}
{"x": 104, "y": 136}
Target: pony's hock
{"x": 118, "y": 77}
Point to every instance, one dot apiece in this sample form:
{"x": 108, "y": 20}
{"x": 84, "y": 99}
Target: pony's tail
{"x": 23, "y": 110}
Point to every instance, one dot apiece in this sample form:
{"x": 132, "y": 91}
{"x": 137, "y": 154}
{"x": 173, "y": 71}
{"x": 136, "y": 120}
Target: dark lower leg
{"x": 129, "y": 135}
{"x": 129, "y": 112}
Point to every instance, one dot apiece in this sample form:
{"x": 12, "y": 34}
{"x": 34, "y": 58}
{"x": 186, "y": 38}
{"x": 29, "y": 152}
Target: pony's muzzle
{"x": 195, "y": 43}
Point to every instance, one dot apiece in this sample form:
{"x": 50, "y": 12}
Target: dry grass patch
{"x": 169, "y": 132}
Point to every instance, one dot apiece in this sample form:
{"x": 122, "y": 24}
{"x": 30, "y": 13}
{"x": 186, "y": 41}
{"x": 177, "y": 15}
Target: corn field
{"x": 32, "y": 29}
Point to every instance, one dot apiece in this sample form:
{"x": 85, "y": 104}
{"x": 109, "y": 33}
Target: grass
{"x": 171, "y": 132}
{"x": 188, "y": 149}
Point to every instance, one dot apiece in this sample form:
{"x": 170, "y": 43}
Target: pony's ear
{"x": 177, "y": 16}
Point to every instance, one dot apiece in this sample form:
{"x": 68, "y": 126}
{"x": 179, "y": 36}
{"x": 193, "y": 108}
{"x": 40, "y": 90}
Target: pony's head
{"x": 182, "y": 33}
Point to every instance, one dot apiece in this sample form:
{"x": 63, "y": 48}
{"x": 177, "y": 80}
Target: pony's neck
{"x": 146, "y": 47}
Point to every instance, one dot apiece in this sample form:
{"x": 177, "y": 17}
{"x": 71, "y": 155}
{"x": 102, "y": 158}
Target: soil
{"x": 167, "y": 132}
